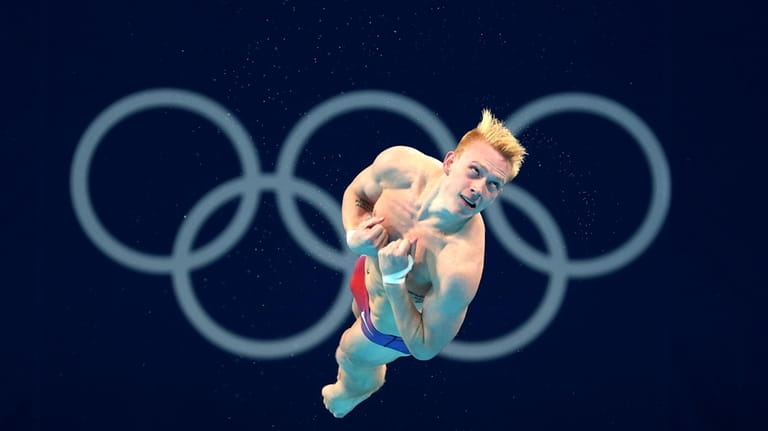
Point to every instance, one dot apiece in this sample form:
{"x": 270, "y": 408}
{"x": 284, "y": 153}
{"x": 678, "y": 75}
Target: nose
{"x": 476, "y": 188}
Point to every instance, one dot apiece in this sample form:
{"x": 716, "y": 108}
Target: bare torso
{"x": 400, "y": 206}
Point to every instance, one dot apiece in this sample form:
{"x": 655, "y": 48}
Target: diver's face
{"x": 476, "y": 177}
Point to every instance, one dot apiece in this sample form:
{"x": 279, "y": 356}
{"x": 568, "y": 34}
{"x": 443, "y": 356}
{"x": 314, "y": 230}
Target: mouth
{"x": 469, "y": 203}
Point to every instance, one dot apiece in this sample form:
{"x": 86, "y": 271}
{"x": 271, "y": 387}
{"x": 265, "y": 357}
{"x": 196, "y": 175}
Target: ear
{"x": 450, "y": 157}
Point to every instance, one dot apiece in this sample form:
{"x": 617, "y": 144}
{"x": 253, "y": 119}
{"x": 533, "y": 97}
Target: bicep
{"x": 365, "y": 186}
{"x": 369, "y": 183}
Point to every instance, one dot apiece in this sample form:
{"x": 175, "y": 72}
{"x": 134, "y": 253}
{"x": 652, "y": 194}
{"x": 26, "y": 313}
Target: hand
{"x": 394, "y": 257}
{"x": 368, "y": 237}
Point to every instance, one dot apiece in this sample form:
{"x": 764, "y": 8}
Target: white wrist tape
{"x": 399, "y": 276}
{"x": 349, "y": 234}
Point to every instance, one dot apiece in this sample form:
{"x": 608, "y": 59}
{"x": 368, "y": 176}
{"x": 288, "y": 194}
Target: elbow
{"x": 424, "y": 355}
{"x": 425, "y": 349}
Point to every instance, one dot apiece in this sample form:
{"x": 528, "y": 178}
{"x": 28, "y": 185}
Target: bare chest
{"x": 401, "y": 220}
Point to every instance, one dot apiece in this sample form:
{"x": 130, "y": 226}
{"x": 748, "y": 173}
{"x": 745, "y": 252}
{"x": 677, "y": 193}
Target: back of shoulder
{"x": 397, "y": 155}
{"x": 400, "y": 165}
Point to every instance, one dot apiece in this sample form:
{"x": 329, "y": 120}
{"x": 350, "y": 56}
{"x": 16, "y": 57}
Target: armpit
{"x": 364, "y": 205}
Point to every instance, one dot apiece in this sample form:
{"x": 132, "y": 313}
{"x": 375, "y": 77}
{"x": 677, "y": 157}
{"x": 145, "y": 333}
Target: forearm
{"x": 409, "y": 322}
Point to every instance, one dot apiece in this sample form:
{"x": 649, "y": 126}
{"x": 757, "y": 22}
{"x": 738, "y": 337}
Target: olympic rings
{"x": 253, "y": 182}
{"x": 133, "y": 104}
{"x": 660, "y": 181}
{"x": 557, "y": 264}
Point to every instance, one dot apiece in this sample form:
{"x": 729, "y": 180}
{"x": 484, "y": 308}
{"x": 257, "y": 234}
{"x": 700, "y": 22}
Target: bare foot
{"x": 338, "y": 403}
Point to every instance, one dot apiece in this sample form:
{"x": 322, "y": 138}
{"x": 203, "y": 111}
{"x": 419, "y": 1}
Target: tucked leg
{"x": 362, "y": 367}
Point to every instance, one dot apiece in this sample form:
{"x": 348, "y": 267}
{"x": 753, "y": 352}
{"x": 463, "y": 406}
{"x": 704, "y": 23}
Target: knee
{"x": 349, "y": 357}
{"x": 359, "y": 370}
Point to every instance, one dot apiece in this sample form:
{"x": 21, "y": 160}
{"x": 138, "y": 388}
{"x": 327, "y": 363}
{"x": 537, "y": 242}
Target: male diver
{"x": 416, "y": 223}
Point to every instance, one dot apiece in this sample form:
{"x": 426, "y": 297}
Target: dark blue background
{"x": 674, "y": 340}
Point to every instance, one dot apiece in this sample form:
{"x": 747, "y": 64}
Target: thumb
{"x": 371, "y": 222}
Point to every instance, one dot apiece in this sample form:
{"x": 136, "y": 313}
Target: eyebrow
{"x": 490, "y": 173}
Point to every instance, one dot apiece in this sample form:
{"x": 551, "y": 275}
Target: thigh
{"x": 358, "y": 348}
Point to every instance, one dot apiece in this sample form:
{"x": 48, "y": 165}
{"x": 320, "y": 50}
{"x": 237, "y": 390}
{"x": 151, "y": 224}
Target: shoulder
{"x": 402, "y": 162}
{"x": 397, "y": 155}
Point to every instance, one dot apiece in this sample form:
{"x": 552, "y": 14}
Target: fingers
{"x": 373, "y": 232}
{"x": 381, "y": 238}
{"x": 399, "y": 247}
{"x": 403, "y": 247}
{"x": 373, "y": 221}
{"x": 412, "y": 247}
{"x": 395, "y": 256}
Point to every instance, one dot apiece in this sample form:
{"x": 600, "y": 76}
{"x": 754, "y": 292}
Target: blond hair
{"x": 492, "y": 130}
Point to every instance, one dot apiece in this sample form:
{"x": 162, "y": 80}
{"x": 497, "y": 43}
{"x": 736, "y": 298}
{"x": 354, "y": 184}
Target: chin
{"x": 467, "y": 211}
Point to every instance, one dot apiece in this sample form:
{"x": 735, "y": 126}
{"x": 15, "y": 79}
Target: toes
{"x": 324, "y": 393}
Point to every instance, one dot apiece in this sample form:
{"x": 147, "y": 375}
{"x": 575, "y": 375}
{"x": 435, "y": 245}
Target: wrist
{"x": 350, "y": 233}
